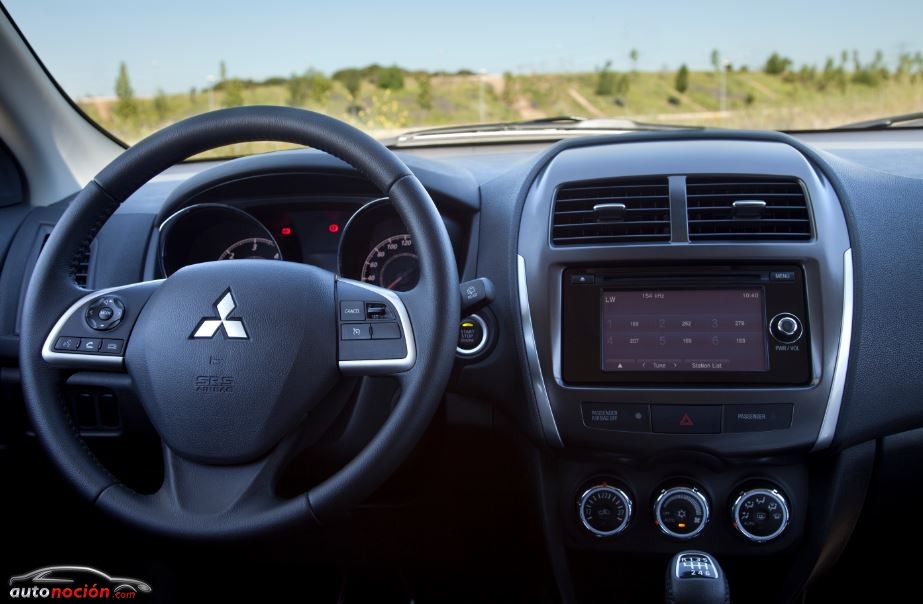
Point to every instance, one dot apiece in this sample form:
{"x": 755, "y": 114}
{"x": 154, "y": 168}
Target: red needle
{"x": 395, "y": 282}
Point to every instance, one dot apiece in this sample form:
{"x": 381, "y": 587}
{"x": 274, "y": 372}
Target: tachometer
{"x": 254, "y": 247}
{"x": 392, "y": 264}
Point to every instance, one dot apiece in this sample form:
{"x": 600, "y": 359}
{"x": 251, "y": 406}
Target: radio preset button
{"x": 786, "y": 328}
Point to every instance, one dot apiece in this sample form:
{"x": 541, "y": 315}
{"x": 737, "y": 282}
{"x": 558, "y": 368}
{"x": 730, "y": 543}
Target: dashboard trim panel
{"x": 545, "y": 411}
{"x": 835, "y": 400}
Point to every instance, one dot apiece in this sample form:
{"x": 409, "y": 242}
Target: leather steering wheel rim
{"x": 433, "y": 308}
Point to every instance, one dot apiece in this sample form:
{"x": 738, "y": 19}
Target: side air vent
{"x": 82, "y": 267}
{"x": 735, "y": 208}
{"x": 615, "y": 211}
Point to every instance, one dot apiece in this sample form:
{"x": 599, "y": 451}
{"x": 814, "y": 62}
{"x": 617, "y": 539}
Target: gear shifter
{"x": 694, "y": 577}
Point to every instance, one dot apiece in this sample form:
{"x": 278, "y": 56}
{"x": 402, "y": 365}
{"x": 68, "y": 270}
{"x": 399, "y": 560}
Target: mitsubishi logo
{"x": 233, "y": 328}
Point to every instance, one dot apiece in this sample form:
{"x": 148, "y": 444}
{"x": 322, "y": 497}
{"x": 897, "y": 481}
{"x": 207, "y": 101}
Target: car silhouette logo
{"x": 208, "y": 327}
{"x": 65, "y": 576}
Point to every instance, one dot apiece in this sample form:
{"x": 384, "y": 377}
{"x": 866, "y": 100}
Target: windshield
{"x": 390, "y": 68}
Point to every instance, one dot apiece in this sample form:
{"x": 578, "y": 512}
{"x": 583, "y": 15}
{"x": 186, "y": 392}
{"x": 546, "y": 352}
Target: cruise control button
{"x": 617, "y": 416}
{"x": 113, "y": 346}
{"x": 686, "y": 419}
{"x": 386, "y": 331}
{"x": 355, "y": 331}
{"x": 67, "y": 343}
{"x": 757, "y": 418}
{"x": 352, "y": 310}
{"x": 90, "y": 344}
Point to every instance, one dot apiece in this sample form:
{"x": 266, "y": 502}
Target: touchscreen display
{"x": 684, "y": 330}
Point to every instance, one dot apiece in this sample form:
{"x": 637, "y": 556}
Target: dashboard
{"x": 701, "y": 334}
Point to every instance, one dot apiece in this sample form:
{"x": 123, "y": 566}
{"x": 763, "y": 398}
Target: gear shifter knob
{"x": 694, "y": 577}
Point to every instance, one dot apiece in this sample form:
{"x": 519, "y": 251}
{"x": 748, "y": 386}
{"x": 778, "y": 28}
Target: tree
{"x": 776, "y": 64}
{"x": 681, "y": 84}
{"x": 192, "y": 95}
{"x": 425, "y": 92}
{"x": 605, "y": 83}
{"x": 351, "y": 79}
{"x": 633, "y": 55}
{"x": 390, "y": 78}
{"x": 311, "y": 85}
{"x": 161, "y": 105}
{"x": 222, "y": 71}
{"x": 509, "y": 88}
{"x": 125, "y": 107}
{"x": 233, "y": 93}
{"x": 716, "y": 59}
{"x": 622, "y": 84}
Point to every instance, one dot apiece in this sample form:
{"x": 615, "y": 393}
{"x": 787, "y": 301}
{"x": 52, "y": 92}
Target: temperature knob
{"x": 604, "y": 510}
{"x": 681, "y": 512}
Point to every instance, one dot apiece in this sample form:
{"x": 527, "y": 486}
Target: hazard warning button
{"x": 686, "y": 419}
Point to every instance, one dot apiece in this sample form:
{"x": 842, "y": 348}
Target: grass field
{"x": 754, "y": 100}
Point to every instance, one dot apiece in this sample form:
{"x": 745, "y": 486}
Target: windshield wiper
{"x": 904, "y": 121}
{"x": 541, "y": 126}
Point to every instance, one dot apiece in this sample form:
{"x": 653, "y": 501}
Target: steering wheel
{"x": 232, "y": 360}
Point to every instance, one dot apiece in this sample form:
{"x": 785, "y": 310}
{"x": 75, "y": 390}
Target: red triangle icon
{"x": 686, "y": 421}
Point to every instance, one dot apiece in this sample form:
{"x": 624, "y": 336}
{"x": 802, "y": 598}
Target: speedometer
{"x": 392, "y": 264}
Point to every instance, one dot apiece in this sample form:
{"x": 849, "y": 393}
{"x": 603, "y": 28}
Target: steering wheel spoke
{"x": 374, "y": 331}
{"x": 95, "y": 330}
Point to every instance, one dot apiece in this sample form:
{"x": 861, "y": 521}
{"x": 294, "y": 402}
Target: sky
{"x": 175, "y": 45}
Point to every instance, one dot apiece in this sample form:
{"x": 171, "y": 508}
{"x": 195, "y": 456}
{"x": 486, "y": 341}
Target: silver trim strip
{"x": 545, "y": 411}
{"x": 838, "y": 385}
{"x": 484, "y": 336}
{"x": 384, "y": 366}
{"x": 82, "y": 360}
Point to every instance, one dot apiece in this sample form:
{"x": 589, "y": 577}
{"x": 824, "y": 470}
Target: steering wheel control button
{"x": 626, "y": 417}
{"x": 386, "y": 331}
{"x": 355, "y": 331}
{"x": 105, "y": 313}
{"x": 786, "y": 328}
{"x": 757, "y": 418}
{"x": 113, "y": 346}
{"x": 604, "y": 510}
{"x": 472, "y": 336}
{"x": 378, "y": 311}
{"x": 90, "y": 344}
{"x": 352, "y": 310}
{"x": 681, "y": 512}
{"x": 67, "y": 343}
{"x": 760, "y": 515}
{"x": 686, "y": 419}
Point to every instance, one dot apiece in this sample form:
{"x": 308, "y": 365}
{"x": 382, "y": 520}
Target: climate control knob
{"x": 681, "y": 512}
{"x": 760, "y": 515}
{"x": 604, "y": 510}
{"x": 786, "y": 328}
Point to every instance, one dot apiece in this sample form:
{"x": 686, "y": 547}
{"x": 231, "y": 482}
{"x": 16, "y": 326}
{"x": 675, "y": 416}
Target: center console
{"x": 686, "y": 313}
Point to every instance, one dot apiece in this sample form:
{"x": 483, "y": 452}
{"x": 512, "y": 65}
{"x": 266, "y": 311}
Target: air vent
{"x": 626, "y": 210}
{"x": 734, "y": 208}
{"x": 82, "y": 267}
